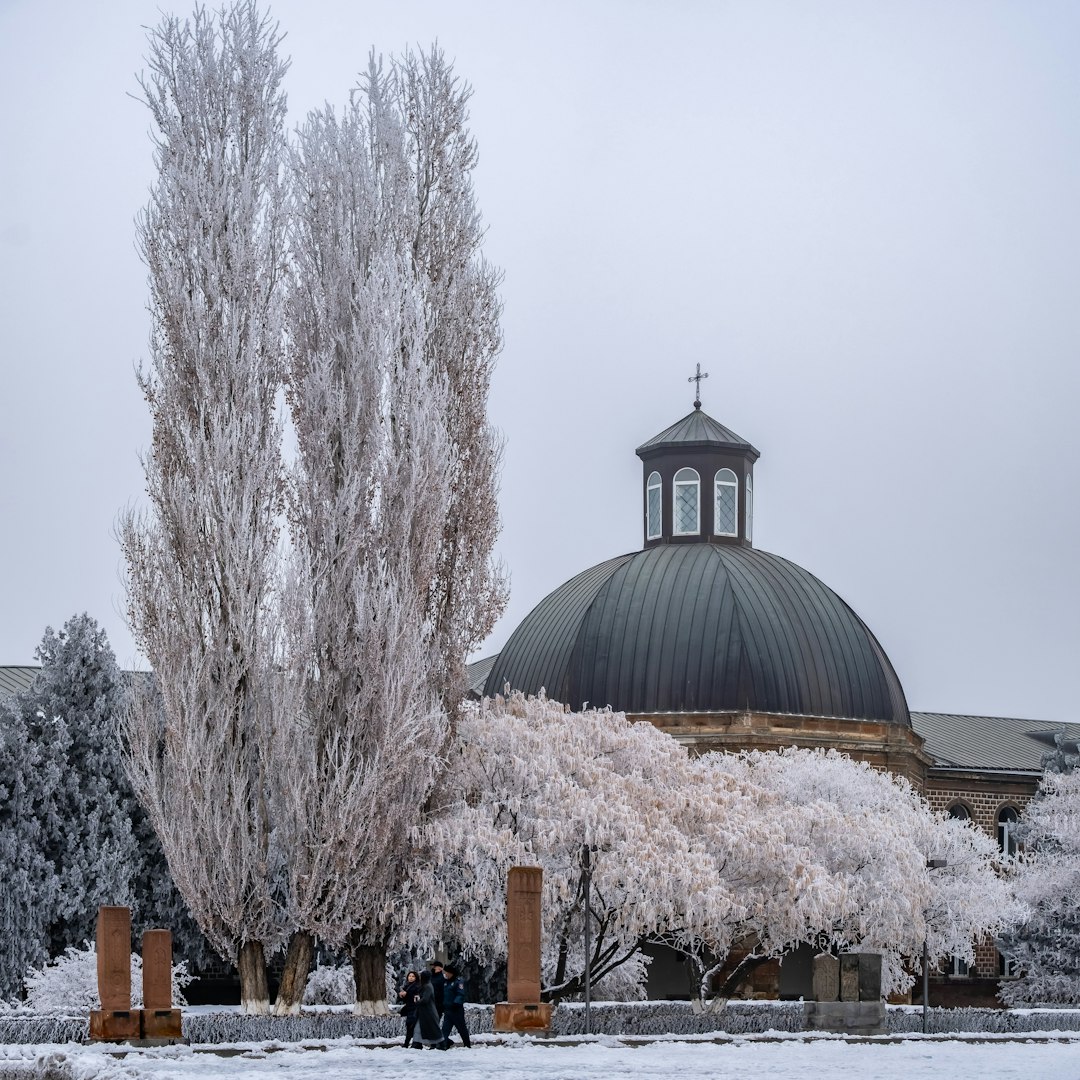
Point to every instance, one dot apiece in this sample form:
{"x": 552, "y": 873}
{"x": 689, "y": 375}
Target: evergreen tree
{"x": 70, "y": 713}
{"x": 29, "y": 884}
{"x": 72, "y": 835}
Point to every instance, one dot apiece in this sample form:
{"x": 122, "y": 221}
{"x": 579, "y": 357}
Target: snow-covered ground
{"x": 1039, "y": 1058}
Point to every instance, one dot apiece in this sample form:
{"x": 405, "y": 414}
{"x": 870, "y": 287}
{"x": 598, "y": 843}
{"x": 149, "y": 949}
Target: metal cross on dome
{"x": 696, "y": 378}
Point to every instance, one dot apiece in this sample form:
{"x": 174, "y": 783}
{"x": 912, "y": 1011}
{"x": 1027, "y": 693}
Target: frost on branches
{"x": 760, "y": 850}
{"x": 1045, "y": 944}
{"x": 392, "y": 331}
{"x": 307, "y": 676}
{"x": 200, "y": 563}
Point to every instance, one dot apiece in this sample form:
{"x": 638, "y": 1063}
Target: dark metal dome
{"x": 701, "y": 628}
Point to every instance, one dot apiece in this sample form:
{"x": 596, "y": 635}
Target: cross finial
{"x": 696, "y": 378}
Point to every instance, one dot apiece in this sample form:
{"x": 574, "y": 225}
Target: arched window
{"x": 1007, "y": 821}
{"x": 652, "y": 507}
{"x": 687, "y": 503}
{"x": 726, "y": 511}
{"x": 749, "y": 507}
{"x": 959, "y": 811}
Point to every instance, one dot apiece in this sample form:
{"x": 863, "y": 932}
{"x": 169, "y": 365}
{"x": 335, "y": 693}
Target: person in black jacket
{"x": 438, "y": 984}
{"x": 409, "y": 996}
{"x": 427, "y": 1018}
{"x": 454, "y": 1008}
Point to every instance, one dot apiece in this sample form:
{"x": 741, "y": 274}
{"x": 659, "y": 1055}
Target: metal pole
{"x": 925, "y": 986}
{"x": 586, "y": 864}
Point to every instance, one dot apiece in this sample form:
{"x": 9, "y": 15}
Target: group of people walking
{"x": 433, "y": 1004}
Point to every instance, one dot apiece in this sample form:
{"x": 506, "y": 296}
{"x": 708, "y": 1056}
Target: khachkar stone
{"x": 826, "y": 977}
{"x": 849, "y": 977}
{"x": 115, "y": 1021}
{"x": 160, "y": 1021}
{"x": 523, "y": 1011}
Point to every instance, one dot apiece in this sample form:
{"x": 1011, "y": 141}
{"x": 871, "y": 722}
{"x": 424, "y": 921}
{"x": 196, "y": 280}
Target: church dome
{"x": 700, "y": 621}
{"x": 701, "y": 628}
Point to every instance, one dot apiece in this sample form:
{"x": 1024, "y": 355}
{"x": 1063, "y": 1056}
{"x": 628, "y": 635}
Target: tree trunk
{"x": 294, "y": 977}
{"x": 742, "y": 972}
{"x": 369, "y": 971}
{"x": 254, "y": 992}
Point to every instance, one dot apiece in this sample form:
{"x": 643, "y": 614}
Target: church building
{"x": 728, "y": 647}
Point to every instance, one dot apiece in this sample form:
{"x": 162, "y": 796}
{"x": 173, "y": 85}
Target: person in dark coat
{"x": 438, "y": 984}
{"x": 427, "y": 1019}
{"x": 409, "y": 997}
{"x": 454, "y": 1008}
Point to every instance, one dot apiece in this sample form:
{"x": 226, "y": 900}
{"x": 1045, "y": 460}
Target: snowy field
{"x": 1042, "y": 1058}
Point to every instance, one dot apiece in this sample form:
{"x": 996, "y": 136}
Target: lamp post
{"x": 586, "y": 867}
{"x": 931, "y": 864}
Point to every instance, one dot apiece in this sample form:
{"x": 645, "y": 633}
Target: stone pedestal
{"x": 845, "y": 1017}
{"x": 523, "y": 1011}
{"x": 513, "y": 1016}
{"x": 162, "y": 1025}
{"x": 115, "y": 1025}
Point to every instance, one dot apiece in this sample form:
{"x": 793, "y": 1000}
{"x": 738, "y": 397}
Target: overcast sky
{"x": 862, "y": 219}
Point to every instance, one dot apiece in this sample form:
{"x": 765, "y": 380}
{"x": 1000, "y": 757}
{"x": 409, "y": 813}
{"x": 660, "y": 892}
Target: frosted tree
{"x": 674, "y": 849}
{"x": 461, "y": 340}
{"x": 759, "y": 851}
{"x": 872, "y": 835}
{"x": 1045, "y": 942}
{"x": 392, "y": 330}
{"x": 29, "y": 773}
{"x": 71, "y": 713}
{"x": 201, "y": 561}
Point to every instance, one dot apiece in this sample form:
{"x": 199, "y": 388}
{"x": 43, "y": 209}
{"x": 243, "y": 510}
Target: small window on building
{"x": 1007, "y": 821}
{"x": 749, "y": 507}
{"x": 959, "y": 811}
{"x": 652, "y": 507}
{"x": 1007, "y": 966}
{"x": 958, "y": 967}
{"x": 687, "y": 503}
{"x": 726, "y": 511}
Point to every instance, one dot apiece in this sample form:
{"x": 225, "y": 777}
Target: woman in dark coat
{"x": 409, "y": 996}
{"x": 427, "y": 1019}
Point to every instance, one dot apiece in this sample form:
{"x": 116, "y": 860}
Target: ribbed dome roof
{"x": 701, "y": 628}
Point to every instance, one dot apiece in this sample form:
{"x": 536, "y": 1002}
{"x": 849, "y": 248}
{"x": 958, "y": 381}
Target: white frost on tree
{"x": 1045, "y": 942}
{"x": 761, "y": 851}
{"x": 201, "y": 562}
{"x": 393, "y": 327}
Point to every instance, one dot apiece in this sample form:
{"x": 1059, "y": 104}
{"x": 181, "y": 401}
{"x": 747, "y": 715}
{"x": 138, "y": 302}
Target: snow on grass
{"x": 599, "y": 1059}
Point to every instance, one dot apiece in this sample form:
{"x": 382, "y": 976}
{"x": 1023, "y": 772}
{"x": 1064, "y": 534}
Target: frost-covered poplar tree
{"x": 462, "y": 337}
{"x": 200, "y": 562}
{"x": 393, "y": 327}
{"x": 1045, "y": 942}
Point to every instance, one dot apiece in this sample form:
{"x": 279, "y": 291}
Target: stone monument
{"x": 160, "y": 1021}
{"x": 847, "y": 990}
{"x": 523, "y": 1010}
{"x": 116, "y": 1020}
